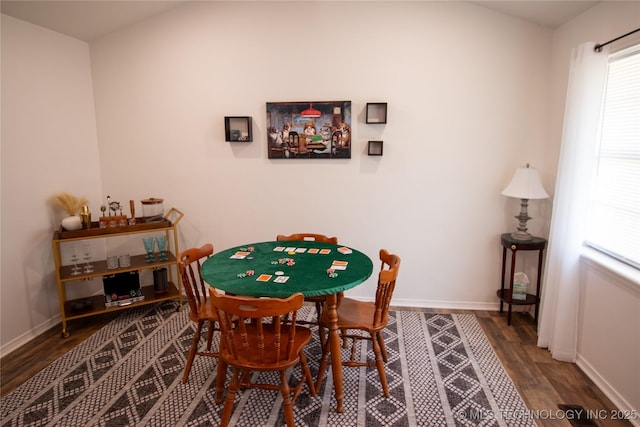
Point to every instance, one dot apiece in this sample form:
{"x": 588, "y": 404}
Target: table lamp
{"x": 524, "y": 185}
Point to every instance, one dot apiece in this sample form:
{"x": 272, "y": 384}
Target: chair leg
{"x": 221, "y": 376}
{"x": 192, "y": 352}
{"x": 319, "y": 314}
{"x": 307, "y": 374}
{"x": 245, "y": 379}
{"x": 321, "y": 335}
{"x": 285, "y": 319}
{"x": 210, "y": 331}
{"x": 380, "y": 364}
{"x": 231, "y": 395}
{"x": 287, "y": 405}
{"x": 383, "y": 348}
{"x": 323, "y": 361}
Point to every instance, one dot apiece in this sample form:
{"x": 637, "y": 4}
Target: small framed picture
{"x": 376, "y": 113}
{"x": 238, "y": 129}
{"x": 375, "y": 148}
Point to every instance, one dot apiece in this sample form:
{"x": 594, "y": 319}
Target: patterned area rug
{"x": 442, "y": 371}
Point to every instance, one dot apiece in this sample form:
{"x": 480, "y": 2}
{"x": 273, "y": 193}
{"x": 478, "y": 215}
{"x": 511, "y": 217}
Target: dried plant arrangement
{"x": 68, "y": 203}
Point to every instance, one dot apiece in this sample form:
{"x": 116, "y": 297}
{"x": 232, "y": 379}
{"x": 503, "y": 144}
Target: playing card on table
{"x": 264, "y": 278}
{"x": 325, "y": 251}
{"x": 345, "y": 250}
{"x": 313, "y": 251}
{"x": 301, "y": 250}
{"x": 278, "y": 249}
{"x": 240, "y": 255}
{"x": 339, "y": 265}
{"x": 281, "y": 279}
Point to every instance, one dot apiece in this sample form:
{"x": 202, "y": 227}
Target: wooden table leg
{"x": 513, "y": 272}
{"x": 334, "y": 345}
{"x": 504, "y": 262}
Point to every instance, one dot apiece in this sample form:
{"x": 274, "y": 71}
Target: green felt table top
{"x": 308, "y": 274}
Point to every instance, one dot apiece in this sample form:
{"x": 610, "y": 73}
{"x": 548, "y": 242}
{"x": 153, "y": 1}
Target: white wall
{"x": 608, "y": 342}
{"x": 49, "y": 145}
{"x": 467, "y": 90}
{"x": 609, "y": 318}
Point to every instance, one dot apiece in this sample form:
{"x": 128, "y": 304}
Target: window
{"x": 614, "y": 226}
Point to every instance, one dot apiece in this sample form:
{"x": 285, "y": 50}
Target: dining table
{"x": 279, "y": 269}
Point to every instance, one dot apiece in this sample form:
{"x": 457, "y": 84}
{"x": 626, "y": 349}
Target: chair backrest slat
{"x": 386, "y": 285}
{"x": 277, "y": 338}
{"x": 189, "y": 265}
{"x": 256, "y": 323}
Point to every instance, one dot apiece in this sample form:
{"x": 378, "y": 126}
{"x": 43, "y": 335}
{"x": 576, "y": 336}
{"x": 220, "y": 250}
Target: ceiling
{"x": 87, "y": 20}
{"x": 547, "y": 13}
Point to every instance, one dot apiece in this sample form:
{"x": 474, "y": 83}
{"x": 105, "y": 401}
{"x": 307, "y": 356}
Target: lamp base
{"x": 521, "y": 235}
{"x": 522, "y": 218}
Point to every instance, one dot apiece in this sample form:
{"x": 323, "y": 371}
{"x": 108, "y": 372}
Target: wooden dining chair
{"x": 255, "y": 338}
{"x": 319, "y": 300}
{"x": 370, "y": 317}
{"x": 201, "y": 307}
{"x": 313, "y": 237}
{"x": 294, "y": 142}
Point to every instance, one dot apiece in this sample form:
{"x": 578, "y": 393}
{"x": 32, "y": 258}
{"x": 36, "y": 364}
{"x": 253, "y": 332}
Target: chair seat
{"x": 354, "y": 314}
{"x": 206, "y": 311}
{"x": 269, "y": 359}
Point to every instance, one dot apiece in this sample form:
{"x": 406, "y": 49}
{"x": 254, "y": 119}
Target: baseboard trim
{"x": 450, "y": 305}
{"x": 20, "y": 340}
{"x": 618, "y": 400}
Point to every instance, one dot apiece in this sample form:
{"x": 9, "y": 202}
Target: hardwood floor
{"x": 542, "y": 381}
{"x": 21, "y": 364}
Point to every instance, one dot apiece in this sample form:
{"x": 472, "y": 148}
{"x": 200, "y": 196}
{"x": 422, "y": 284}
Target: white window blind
{"x": 614, "y": 225}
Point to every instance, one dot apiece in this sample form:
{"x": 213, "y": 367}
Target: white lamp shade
{"x": 525, "y": 185}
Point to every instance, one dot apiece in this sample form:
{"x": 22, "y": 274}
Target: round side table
{"x": 506, "y": 294}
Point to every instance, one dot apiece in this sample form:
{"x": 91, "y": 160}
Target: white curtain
{"x": 559, "y": 309}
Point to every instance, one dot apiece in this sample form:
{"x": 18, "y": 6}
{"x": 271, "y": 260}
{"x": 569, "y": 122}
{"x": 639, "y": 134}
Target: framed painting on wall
{"x": 309, "y": 129}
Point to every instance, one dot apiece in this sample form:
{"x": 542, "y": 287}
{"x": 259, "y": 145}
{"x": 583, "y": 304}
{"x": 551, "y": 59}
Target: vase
{"x": 71, "y": 223}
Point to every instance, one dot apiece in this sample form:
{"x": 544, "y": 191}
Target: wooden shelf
{"x": 238, "y": 129}
{"x": 376, "y": 113}
{"x": 95, "y": 231}
{"x": 375, "y": 148}
{"x": 138, "y": 262}
{"x": 98, "y": 307}
{"x": 73, "y": 309}
{"x": 530, "y": 299}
